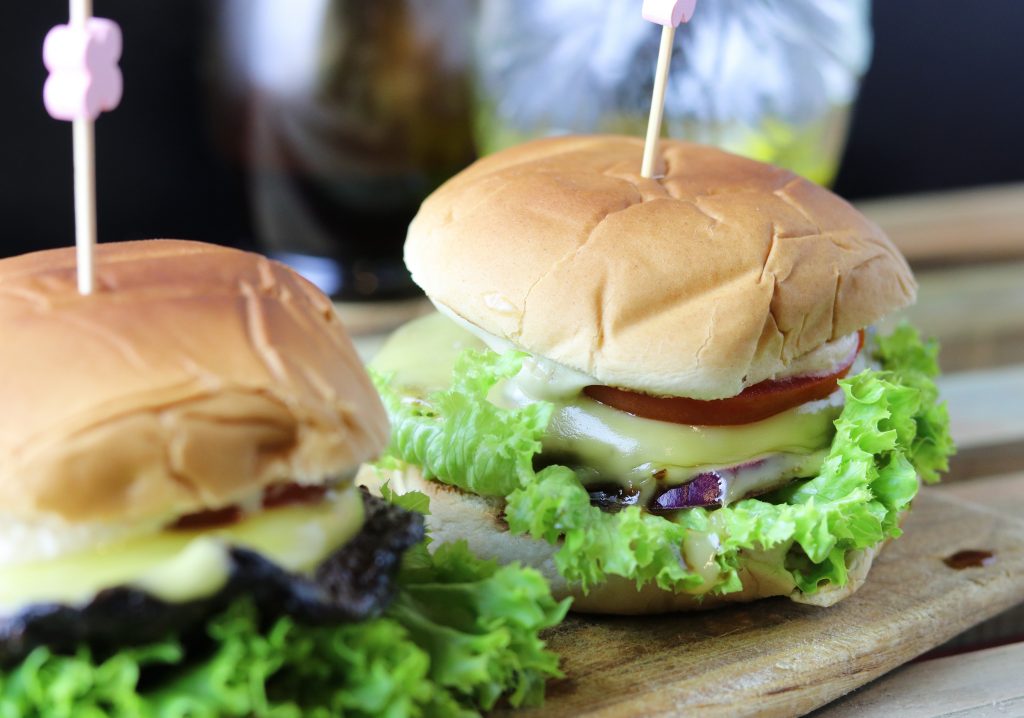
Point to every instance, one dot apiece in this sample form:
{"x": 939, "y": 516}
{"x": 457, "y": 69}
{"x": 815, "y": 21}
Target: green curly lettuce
{"x": 594, "y": 543}
{"x": 459, "y": 436}
{"x": 892, "y": 430}
{"x": 287, "y": 670}
{"x": 481, "y": 634}
{"x": 917, "y": 364}
{"x": 865, "y": 484}
{"x": 462, "y": 633}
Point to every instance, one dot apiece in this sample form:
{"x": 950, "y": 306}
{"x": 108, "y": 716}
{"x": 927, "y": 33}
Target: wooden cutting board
{"x": 778, "y": 658}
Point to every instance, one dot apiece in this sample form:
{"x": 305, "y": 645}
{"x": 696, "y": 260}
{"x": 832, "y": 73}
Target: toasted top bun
{"x": 717, "y": 275}
{"x": 192, "y": 377}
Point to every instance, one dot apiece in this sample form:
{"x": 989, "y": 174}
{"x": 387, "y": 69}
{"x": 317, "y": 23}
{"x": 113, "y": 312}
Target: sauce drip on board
{"x": 969, "y": 558}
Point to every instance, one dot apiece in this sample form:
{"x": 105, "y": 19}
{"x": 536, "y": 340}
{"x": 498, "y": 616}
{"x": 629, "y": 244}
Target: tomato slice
{"x": 274, "y": 496}
{"x": 283, "y": 494}
{"x": 208, "y": 519}
{"x": 754, "y": 403}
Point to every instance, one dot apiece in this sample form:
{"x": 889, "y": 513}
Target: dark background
{"x": 943, "y": 103}
{"x": 942, "y": 106}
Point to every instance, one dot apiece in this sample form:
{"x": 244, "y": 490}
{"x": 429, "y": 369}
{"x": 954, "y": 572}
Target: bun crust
{"x": 456, "y": 515}
{"x": 714, "y": 277}
{"x": 193, "y": 376}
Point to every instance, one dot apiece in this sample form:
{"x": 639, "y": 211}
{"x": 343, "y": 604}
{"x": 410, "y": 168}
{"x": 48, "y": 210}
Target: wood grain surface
{"x": 1004, "y": 493}
{"x": 976, "y": 311}
{"x": 778, "y": 658}
{"x": 982, "y": 684}
{"x": 981, "y": 223}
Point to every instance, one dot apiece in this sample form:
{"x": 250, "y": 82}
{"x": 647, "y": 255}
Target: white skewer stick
{"x": 84, "y": 138}
{"x": 668, "y": 35}
{"x": 84, "y": 81}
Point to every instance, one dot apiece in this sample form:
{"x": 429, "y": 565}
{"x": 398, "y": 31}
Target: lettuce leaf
{"x": 371, "y": 668}
{"x": 855, "y": 502}
{"x": 916, "y": 363}
{"x": 892, "y": 430}
{"x": 459, "y": 436}
{"x": 631, "y": 543}
{"x": 462, "y": 633}
{"x": 479, "y": 623}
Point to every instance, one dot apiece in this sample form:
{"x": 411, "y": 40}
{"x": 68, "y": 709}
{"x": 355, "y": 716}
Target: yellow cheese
{"x": 420, "y": 355}
{"x": 628, "y": 450}
{"x": 184, "y": 565}
{"x": 614, "y": 446}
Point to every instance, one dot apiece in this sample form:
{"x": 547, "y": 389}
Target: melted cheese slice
{"x": 179, "y": 566}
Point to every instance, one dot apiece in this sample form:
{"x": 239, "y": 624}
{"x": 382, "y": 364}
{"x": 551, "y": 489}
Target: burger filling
{"x": 624, "y": 459}
{"x": 293, "y": 527}
{"x": 798, "y": 493}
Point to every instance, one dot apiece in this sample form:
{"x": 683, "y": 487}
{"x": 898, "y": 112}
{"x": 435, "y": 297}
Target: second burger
{"x": 664, "y": 393}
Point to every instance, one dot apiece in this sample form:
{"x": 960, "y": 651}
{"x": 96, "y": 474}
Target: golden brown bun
{"x": 712, "y": 278}
{"x": 456, "y": 515}
{"x": 191, "y": 378}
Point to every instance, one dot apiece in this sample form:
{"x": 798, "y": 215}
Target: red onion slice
{"x": 703, "y": 490}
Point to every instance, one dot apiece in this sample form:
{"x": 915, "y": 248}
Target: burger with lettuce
{"x": 664, "y": 393}
{"x": 180, "y": 534}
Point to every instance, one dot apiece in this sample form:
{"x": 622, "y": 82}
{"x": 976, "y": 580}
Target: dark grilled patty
{"x": 356, "y": 582}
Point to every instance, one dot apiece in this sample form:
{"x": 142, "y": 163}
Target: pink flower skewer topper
{"x": 84, "y": 80}
{"x": 669, "y": 13}
{"x": 84, "y": 77}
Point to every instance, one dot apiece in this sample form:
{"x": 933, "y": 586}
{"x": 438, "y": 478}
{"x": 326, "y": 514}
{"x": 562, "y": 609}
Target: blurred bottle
{"x": 770, "y": 79}
{"x": 345, "y": 114}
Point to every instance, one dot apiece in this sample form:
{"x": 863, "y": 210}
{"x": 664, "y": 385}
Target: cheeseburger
{"x": 180, "y": 533}
{"x": 664, "y": 393}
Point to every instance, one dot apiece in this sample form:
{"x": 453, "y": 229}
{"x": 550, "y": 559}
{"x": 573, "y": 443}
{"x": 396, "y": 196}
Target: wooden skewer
{"x": 84, "y": 81}
{"x": 84, "y": 135}
{"x": 84, "y": 138}
{"x": 668, "y": 34}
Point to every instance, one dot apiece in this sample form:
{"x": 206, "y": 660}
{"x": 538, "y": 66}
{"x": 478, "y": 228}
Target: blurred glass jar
{"x": 344, "y": 115}
{"x": 769, "y": 79}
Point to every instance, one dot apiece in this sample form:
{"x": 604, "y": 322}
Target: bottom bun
{"x": 457, "y": 515}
